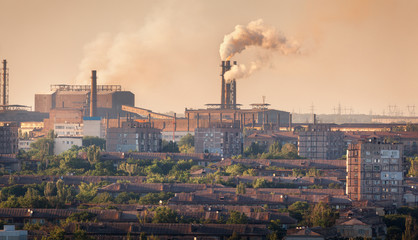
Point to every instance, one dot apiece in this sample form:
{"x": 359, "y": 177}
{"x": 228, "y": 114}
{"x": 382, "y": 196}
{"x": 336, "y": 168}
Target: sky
{"x": 360, "y": 54}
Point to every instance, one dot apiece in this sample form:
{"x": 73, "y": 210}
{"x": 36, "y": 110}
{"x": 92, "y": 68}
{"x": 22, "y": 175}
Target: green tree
{"x": 103, "y": 198}
{"x": 90, "y": 140}
{"x": 57, "y": 233}
{"x": 64, "y": 193}
{"x": 411, "y": 228}
{"x": 81, "y": 217}
{"x": 170, "y": 147}
{"x": 289, "y": 151}
{"x": 130, "y": 168}
{"x": 260, "y": 183}
{"x": 155, "y": 198}
{"x": 42, "y": 148}
{"x": 299, "y": 210}
{"x": 237, "y": 218}
{"x": 234, "y": 236}
{"x": 186, "y": 144}
{"x": 165, "y": 215}
{"x": 236, "y": 169}
{"x": 241, "y": 188}
{"x": 81, "y": 235}
{"x": 86, "y": 192}
{"x": 322, "y": 215}
{"x": 254, "y": 149}
{"x": 275, "y": 148}
{"x": 93, "y": 154}
{"x": 278, "y": 231}
{"x": 50, "y": 189}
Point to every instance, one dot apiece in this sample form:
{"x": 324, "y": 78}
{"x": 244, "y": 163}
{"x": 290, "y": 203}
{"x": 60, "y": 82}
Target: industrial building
{"x": 375, "y": 172}
{"x": 320, "y": 142}
{"x": 133, "y": 136}
{"x": 9, "y": 138}
{"x": 103, "y": 101}
{"x": 229, "y": 110}
{"x": 224, "y": 139}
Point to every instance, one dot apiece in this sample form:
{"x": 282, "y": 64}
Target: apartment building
{"x": 222, "y": 138}
{"x": 320, "y": 142}
{"x": 9, "y": 137}
{"x": 375, "y": 171}
{"x": 133, "y": 136}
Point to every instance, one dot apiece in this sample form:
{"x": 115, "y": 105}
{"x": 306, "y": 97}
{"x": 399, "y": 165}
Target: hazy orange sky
{"x": 362, "y": 54}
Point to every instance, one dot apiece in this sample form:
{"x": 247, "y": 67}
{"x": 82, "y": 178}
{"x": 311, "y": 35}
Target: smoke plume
{"x": 257, "y": 34}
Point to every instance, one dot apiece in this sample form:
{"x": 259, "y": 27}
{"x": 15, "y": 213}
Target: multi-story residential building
{"x": 222, "y": 138}
{"x": 133, "y": 136}
{"x": 68, "y": 129}
{"x": 375, "y": 171}
{"x": 320, "y": 142}
{"x": 64, "y": 143}
{"x": 9, "y": 137}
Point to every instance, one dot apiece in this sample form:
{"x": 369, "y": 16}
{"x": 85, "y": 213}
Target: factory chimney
{"x": 5, "y": 85}
{"x": 93, "y": 94}
{"x": 229, "y": 88}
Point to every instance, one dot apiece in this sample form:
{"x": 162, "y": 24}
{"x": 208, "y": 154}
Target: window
{"x": 376, "y": 168}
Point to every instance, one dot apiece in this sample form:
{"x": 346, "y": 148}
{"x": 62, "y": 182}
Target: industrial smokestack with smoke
{"x": 256, "y": 33}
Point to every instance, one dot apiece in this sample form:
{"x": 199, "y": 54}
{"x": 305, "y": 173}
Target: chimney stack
{"x": 5, "y": 84}
{"x": 229, "y": 88}
{"x": 93, "y": 94}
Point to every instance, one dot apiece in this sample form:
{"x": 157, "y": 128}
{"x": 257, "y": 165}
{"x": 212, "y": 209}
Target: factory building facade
{"x": 133, "y": 136}
{"x": 375, "y": 172}
{"x": 224, "y": 139}
{"x": 109, "y": 100}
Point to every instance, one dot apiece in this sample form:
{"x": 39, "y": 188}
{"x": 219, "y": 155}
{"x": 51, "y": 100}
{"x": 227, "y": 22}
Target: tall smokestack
{"x": 4, "y": 91}
{"x": 223, "y": 85}
{"x": 93, "y": 94}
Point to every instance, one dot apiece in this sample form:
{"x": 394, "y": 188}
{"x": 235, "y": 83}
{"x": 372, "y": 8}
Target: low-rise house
{"x": 355, "y": 227}
{"x": 144, "y": 188}
{"x": 171, "y": 230}
{"x": 361, "y": 222}
{"x": 303, "y": 234}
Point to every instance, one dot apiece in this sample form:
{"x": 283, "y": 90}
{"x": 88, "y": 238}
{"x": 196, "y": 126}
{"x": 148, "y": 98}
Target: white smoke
{"x": 256, "y": 33}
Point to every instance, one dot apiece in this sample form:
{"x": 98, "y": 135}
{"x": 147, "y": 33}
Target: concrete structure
{"x": 9, "y": 138}
{"x": 375, "y": 172}
{"x": 63, "y": 115}
{"x": 222, "y": 138}
{"x": 9, "y": 233}
{"x": 319, "y": 142}
{"x": 62, "y": 144}
{"x": 26, "y": 128}
{"x": 68, "y": 129}
{"x": 110, "y": 99}
{"x": 94, "y": 127}
{"x": 133, "y": 136}
{"x": 25, "y": 144}
{"x": 168, "y": 136}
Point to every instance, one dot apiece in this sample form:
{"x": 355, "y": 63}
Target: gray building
{"x": 375, "y": 171}
{"x": 133, "y": 136}
{"x": 222, "y": 138}
{"x": 320, "y": 142}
